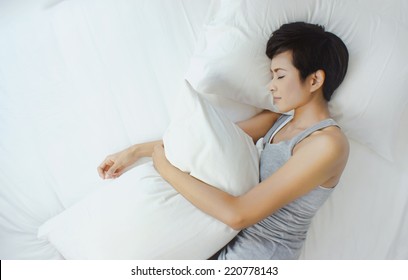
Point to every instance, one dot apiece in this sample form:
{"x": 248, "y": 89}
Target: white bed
{"x": 83, "y": 79}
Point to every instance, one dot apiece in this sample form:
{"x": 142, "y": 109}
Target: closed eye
{"x": 281, "y": 77}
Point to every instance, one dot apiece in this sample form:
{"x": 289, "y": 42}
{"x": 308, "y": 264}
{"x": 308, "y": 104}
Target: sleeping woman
{"x": 302, "y": 161}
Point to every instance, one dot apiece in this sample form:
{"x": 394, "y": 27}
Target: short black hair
{"x": 313, "y": 49}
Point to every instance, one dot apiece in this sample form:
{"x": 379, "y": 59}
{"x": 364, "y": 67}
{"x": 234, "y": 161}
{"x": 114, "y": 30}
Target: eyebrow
{"x": 277, "y": 69}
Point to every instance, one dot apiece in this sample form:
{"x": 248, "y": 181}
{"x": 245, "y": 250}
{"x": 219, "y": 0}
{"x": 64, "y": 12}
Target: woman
{"x": 303, "y": 158}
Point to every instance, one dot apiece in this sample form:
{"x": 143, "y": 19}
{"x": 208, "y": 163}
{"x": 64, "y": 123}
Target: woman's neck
{"x": 311, "y": 113}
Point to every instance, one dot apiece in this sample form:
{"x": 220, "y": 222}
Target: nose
{"x": 271, "y": 86}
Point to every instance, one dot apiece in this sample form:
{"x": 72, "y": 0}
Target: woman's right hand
{"x": 116, "y": 164}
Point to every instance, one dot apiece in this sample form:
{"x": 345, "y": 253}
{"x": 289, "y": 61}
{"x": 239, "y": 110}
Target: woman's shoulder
{"x": 331, "y": 137}
{"x": 329, "y": 140}
{"x": 334, "y": 136}
{"x": 329, "y": 149}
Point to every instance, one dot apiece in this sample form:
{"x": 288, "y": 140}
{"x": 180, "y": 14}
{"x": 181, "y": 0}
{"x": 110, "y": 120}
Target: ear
{"x": 317, "y": 80}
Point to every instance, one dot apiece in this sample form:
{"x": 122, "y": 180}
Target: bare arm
{"x": 325, "y": 155}
{"x": 258, "y": 126}
{"x": 116, "y": 164}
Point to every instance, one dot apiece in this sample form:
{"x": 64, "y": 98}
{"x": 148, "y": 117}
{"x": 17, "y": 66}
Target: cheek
{"x": 294, "y": 88}
{"x": 292, "y": 96}
{"x": 291, "y": 89}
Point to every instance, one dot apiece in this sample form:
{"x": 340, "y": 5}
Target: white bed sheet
{"x": 81, "y": 79}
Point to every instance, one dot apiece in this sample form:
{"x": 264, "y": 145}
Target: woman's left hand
{"x": 159, "y": 160}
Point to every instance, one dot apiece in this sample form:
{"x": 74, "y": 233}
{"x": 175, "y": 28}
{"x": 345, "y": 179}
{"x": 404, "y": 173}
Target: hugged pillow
{"x": 230, "y": 61}
{"x": 140, "y": 216}
{"x": 203, "y": 142}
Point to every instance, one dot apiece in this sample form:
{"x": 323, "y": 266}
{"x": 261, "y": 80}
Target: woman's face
{"x": 288, "y": 91}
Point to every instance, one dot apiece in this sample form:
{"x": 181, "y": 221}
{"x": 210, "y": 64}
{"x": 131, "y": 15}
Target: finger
{"x": 101, "y": 170}
{"x": 113, "y": 171}
{"x": 118, "y": 171}
{"x": 103, "y": 167}
{"x": 100, "y": 173}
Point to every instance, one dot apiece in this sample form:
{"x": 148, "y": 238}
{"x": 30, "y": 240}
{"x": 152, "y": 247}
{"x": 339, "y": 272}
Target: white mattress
{"x": 82, "y": 79}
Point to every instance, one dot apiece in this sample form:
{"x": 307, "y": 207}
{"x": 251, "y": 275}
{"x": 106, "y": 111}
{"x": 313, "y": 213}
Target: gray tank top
{"x": 282, "y": 234}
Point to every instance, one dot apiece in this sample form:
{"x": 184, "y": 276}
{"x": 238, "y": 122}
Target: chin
{"x": 284, "y": 110}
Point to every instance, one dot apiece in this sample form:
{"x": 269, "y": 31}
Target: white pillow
{"x": 140, "y": 216}
{"x": 203, "y": 142}
{"x": 230, "y": 61}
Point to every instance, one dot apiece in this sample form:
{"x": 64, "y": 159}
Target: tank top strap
{"x": 280, "y": 121}
{"x": 320, "y": 125}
